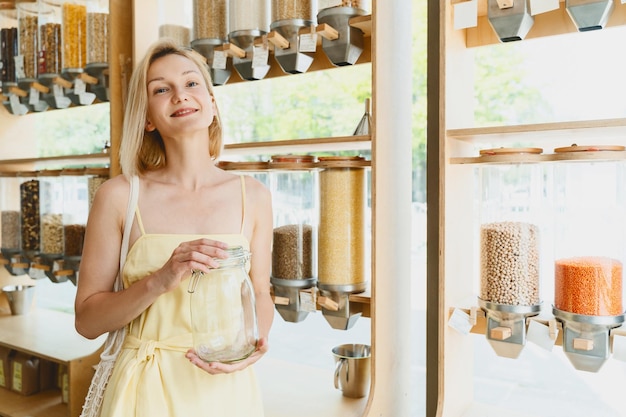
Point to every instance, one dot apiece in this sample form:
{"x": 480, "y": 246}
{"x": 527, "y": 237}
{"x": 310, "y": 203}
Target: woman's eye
{"x": 160, "y": 90}
{"x": 193, "y": 84}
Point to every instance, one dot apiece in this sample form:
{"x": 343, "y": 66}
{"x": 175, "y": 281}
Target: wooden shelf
{"x": 44, "y": 404}
{"x": 27, "y": 164}
{"x": 567, "y": 133}
{"x": 340, "y": 143}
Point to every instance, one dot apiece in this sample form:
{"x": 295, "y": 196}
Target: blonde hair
{"x": 141, "y": 150}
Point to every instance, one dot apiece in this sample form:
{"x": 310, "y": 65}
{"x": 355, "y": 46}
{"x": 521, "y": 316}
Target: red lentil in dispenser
{"x": 589, "y": 249}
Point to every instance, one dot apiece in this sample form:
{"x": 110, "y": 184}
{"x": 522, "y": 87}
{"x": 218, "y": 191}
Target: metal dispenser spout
{"x": 100, "y": 72}
{"x": 248, "y": 67}
{"x": 206, "y": 48}
{"x": 589, "y": 14}
{"x": 510, "y": 19}
{"x": 348, "y": 46}
{"x": 336, "y": 306}
{"x": 506, "y": 326}
{"x": 586, "y": 339}
{"x": 288, "y": 301}
{"x": 289, "y": 57}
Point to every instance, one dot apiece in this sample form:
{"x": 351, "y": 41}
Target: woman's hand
{"x": 200, "y": 255}
{"x": 227, "y": 368}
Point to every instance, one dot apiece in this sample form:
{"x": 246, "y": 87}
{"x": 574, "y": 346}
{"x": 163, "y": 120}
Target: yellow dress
{"x": 152, "y": 377}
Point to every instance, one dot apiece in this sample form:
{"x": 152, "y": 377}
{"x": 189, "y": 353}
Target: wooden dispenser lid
{"x": 594, "y": 148}
{"x": 510, "y": 151}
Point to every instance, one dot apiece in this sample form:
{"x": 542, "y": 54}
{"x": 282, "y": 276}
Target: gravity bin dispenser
{"x": 210, "y": 32}
{"x": 342, "y": 43}
{"x": 510, "y": 19}
{"x": 510, "y": 205}
{"x": 293, "y": 182}
{"x": 341, "y": 242}
{"x": 248, "y": 29}
{"x": 288, "y": 19}
{"x": 590, "y": 233}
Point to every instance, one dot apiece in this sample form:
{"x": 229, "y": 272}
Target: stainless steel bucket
{"x": 20, "y": 298}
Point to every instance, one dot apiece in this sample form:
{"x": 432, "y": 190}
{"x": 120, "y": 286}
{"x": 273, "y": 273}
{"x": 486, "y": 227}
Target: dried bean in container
{"x": 52, "y": 233}
{"x": 74, "y": 237}
{"x": 97, "y": 37}
{"x": 29, "y": 207}
{"x": 50, "y": 51}
{"x": 589, "y": 285}
{"x": 292, "y": 256}
{"x": 210, "y": 19}
{"x": 180, "y": 34}
{"x": 509, "y": 262}
{"x": 292, "y": 9}
{"x": 28, "y": 44}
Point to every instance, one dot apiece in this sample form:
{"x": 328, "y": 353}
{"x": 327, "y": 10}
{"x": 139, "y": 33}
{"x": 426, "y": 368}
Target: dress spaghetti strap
{"x": 243, "y": 202}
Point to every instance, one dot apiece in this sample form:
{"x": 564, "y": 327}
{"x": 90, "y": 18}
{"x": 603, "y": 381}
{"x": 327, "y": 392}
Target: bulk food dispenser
{"x": 175, "y": 21}
{"x": 289, "y": 17}
{"x": 210, "y": 32}
{"x": 97, "y": 64}
{"x": 590, "y": 233}
{"x": 29, "y": 16}
{"x": 51, "y": 221}
{"x": 9, "y": 60}
{"x": 512, "y": 206}
{"x": 10, "y": 224}
{"x": 294, "y": 186}
{"x": 341, "y": 238}
{"x": 342, "y": 43}
{"x": 50, "y": 56}
{"x": 249, "y": 22}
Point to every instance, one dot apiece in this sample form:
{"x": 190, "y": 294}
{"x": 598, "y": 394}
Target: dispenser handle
{"x": 338, "y": 367}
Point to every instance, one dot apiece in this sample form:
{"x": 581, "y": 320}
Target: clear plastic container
{"x": 294, "y": 187}
{"x": 341, "y": 245}
{"x": 51, "y": 210}
{"x": 176, "y": 20}
{"x": 75, "y": 210}
{"x": 50, "y": 48}
{"x": 97, "y": 31}
{"x": 294, "y": 9}
{"x": 9, "y": 41}
{"x": 74, "y": 34}
{"x": 210, "y": 19}
{"x": 223, "y": 310}
{"x": 249, "y": 15}
{"x": 512, "y": 207}
{"x": 95, "y": 178}
{"x": 28, "y": 26}
{"x": 590, "y": 232}
{"x": 10, "y": 227}
{"x": 30, "y": 212}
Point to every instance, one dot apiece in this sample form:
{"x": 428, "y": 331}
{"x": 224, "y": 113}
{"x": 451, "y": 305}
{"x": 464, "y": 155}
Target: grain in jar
{"x": 588, "y": 285}
{"x": 50, "y": 49}
{"x": 247, "y": 15}
{"x": 74, "y": 34}
{"x": 210, "y": 19}
{"x": 293, "y": 9}
{"x": 509, "y": 262}
{"x": 294, "y": 186}
{"x": 28, "y": 18}
{"x": 10, "y": 229}
{"x": 175, "y": 20}
{"x": 97, "y": 32}
{"x": 341, "y": 241}
{"x": 95, "y": 178}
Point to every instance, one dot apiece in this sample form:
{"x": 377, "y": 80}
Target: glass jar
{"x": 50, "y": 50}
{"x": 27, "y": 23}
{"x": 97, "y": 32}
{"x": 75, "y": 211}
{"x": 175, "y": 21}
{"x": 341, "y": 243}
{"x": 511, "y": 204}
{"x": 210, "y": 19}
{"x": 248, "y": 15}
{"x": 294, "y": 188}
{"x": 74, "y": 35}
{"x": 9, "y": 41}
{"x": 590, "y": 231}
{"x": 223, "y": 310}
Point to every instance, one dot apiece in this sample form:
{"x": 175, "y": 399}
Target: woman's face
{"x": 179, "y": 101}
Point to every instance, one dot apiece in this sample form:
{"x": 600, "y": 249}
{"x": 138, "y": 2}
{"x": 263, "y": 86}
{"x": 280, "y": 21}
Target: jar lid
{"x": 293, "y": 158}
{"x": 243, "y": 166}
{"x": 353, "y": 161}
{"x": 592, "y": 148}
{"x": 73, "y": 171}
{"x": 509, "y": 151}
{"x": 98, "y": 171}
{"x": 49, "y": 173}
{"x": 26, "y": 174}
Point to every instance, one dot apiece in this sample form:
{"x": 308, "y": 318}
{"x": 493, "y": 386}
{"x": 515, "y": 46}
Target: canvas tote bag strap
{"x": 128, "y": 224}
